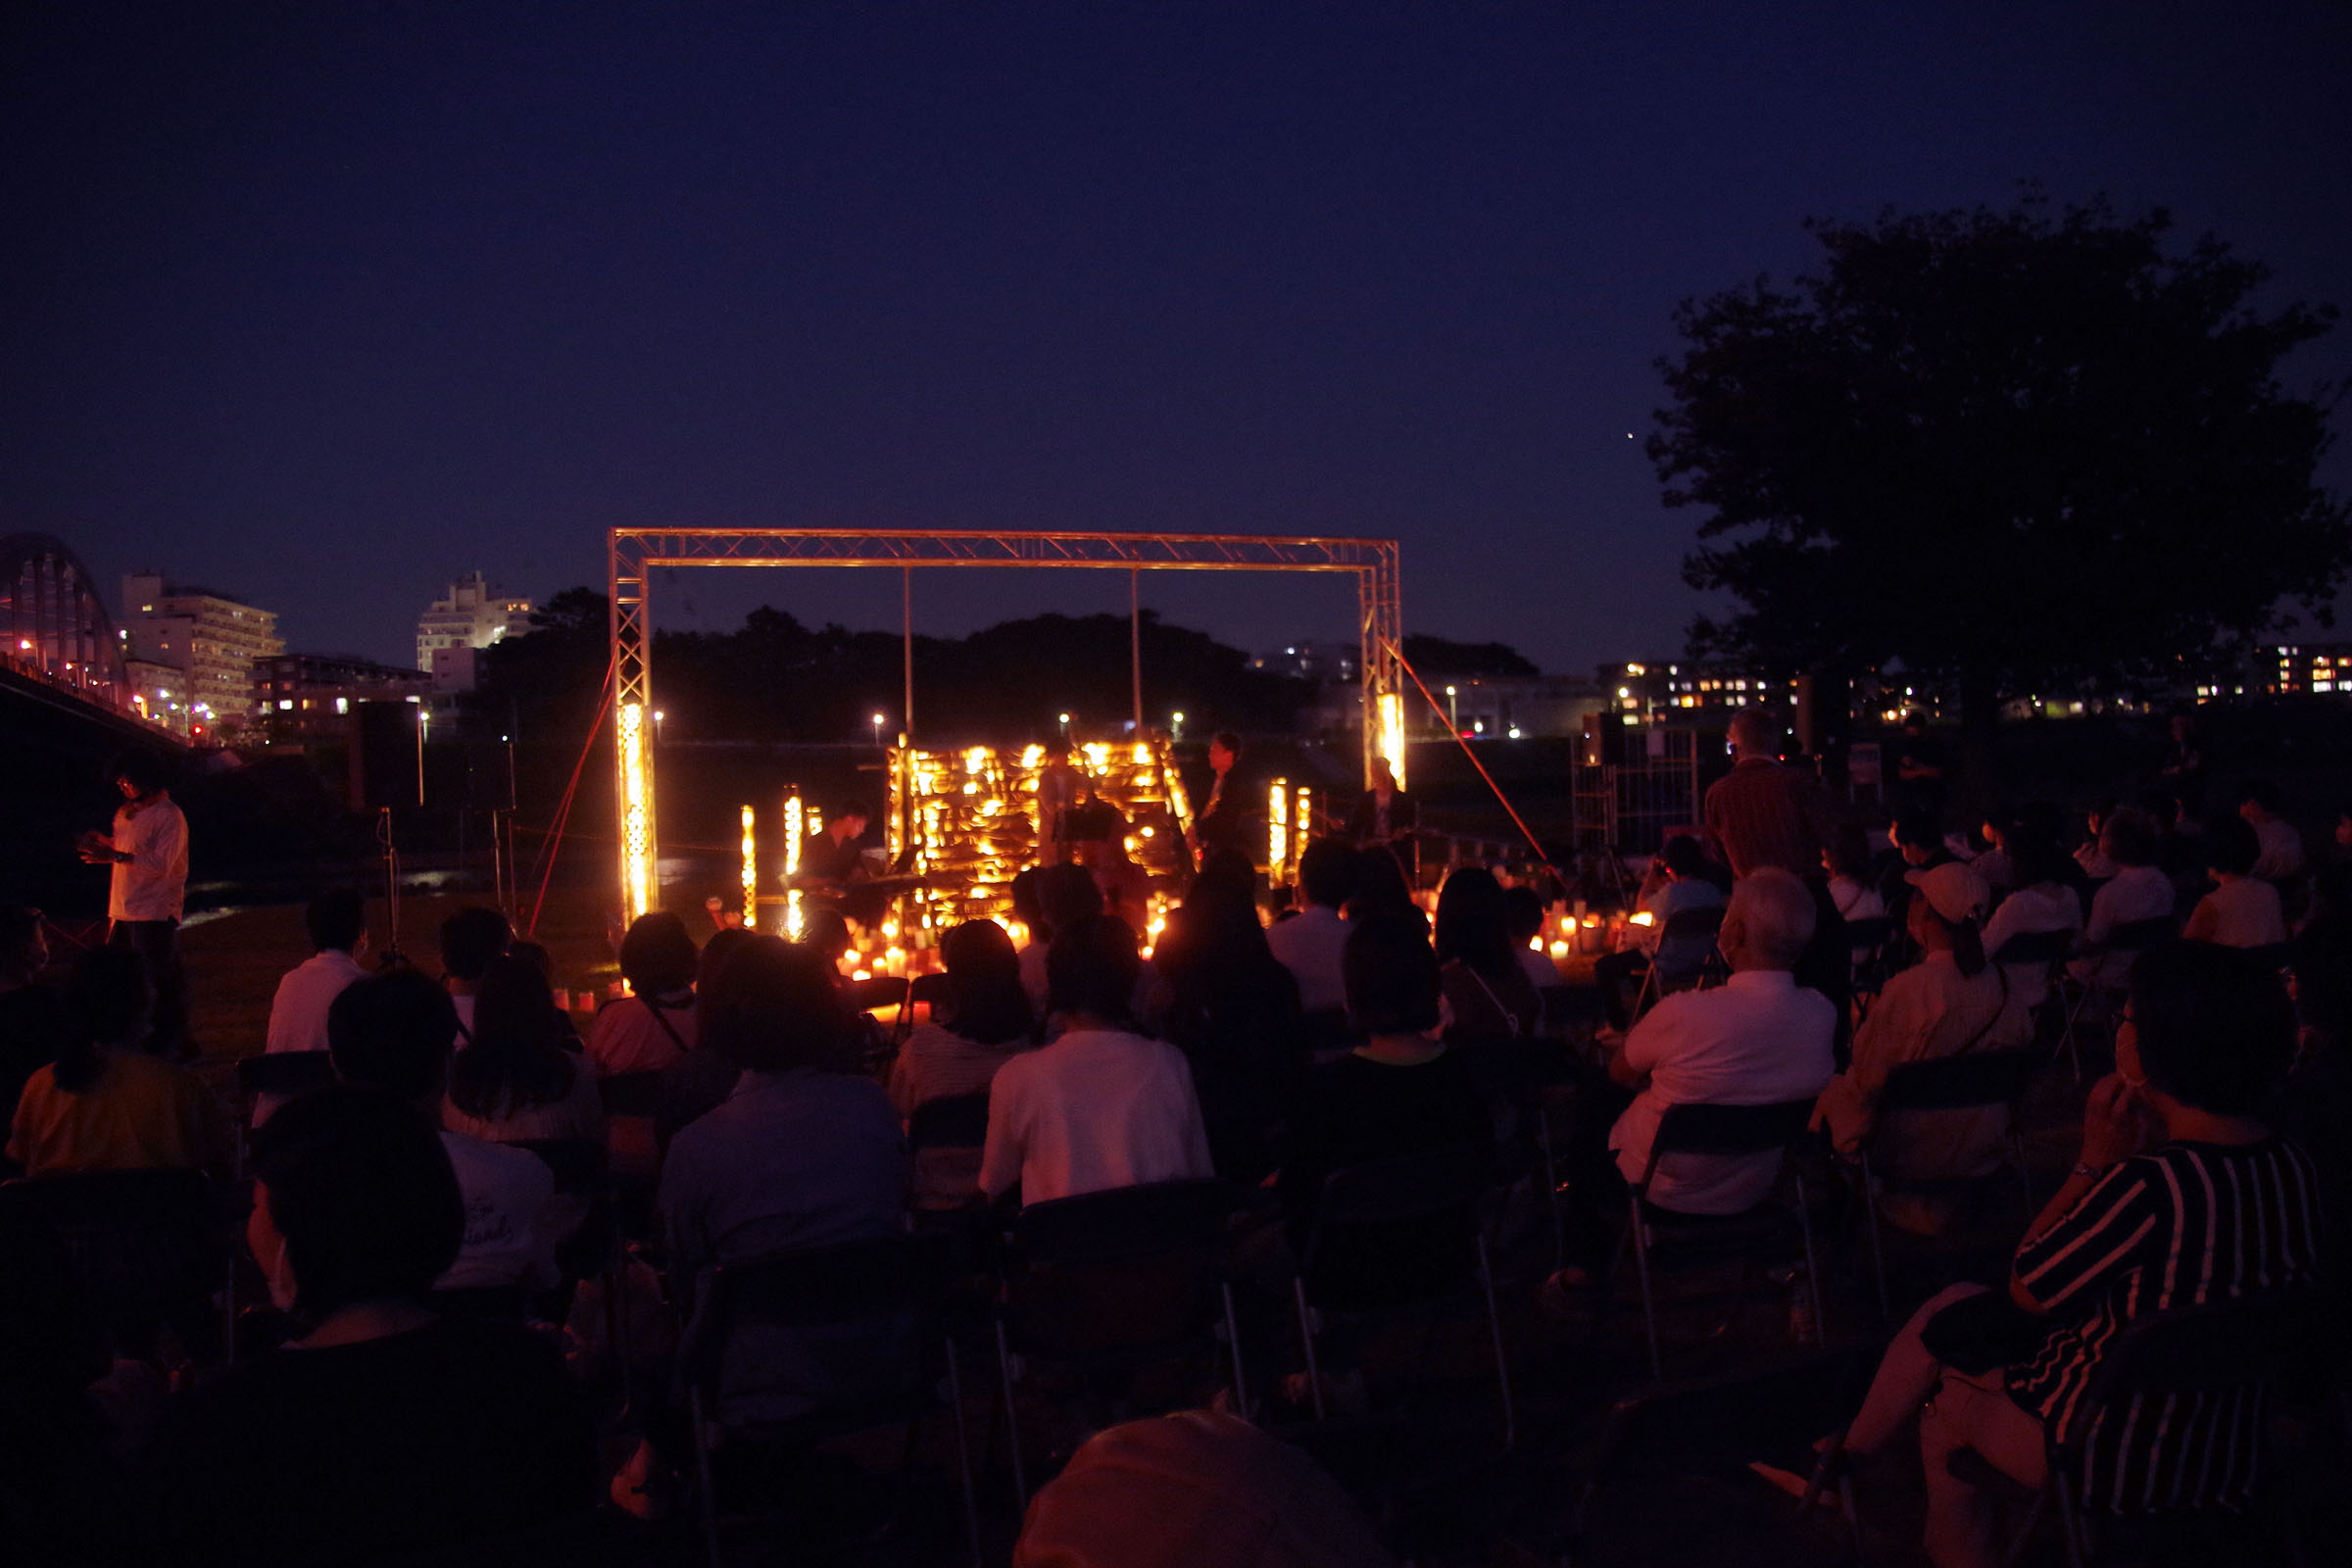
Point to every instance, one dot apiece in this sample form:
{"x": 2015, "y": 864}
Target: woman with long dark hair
{"x": 984, "y": 1021}
{"x": 1233, "y": 1011}
{"x": 522, "y": 1077}
{"x": 1488, "y": 995}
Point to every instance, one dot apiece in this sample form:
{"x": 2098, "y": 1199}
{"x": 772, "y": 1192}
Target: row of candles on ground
{"x": 1582, "y": 932}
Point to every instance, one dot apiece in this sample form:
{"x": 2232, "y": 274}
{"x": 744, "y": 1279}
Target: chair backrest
{"x": 1437, "y": 1181}
{"x": 956, "y": 1121}
{"x": 929, "y": 989}
{"x": 284, "y": 1072}
{"x": 1869, "y": 935}
{"x": 1959, "y": 1083}
{"x": 873, "y": 1281}
{"x": 631, "y": 1094}
{"x": 879, "y": 992}
{"x": 1687, "y": 924}
{"x": 2138, "y": 935}
{"x": 2035, "y": 947}
{"x": 1699, "y": 1129}
{"x": 578, "y": 1163}
{"x": 1124, "y": 1222}
{"x": 142, "y": 1242}
{"x": 2253, "y": 1340}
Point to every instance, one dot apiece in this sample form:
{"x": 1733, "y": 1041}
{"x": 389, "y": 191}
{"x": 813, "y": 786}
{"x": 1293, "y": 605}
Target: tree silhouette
{"x": 2014, "y": 450}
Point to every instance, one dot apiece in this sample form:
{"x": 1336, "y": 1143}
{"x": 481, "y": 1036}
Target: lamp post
{"x": 877, "y": 731}
{"x": 1066, "y": 726}
{"x": 1452, "y": 715}
{"x": 1176, "y": 726}
{"x": 657, "y": 716}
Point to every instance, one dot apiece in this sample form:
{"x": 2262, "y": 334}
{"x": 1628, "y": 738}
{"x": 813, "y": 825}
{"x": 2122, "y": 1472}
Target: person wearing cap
{"x": 1950, "y": 1003}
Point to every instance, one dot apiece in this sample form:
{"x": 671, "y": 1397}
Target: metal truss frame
{"x": 634, "y": 552}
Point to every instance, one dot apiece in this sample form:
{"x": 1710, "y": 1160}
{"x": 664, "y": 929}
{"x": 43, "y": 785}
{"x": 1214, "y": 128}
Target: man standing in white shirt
{"x": 148, "y": 853}
{"x": 1101, "y": 1107}
{"x": 1313, "y": 944}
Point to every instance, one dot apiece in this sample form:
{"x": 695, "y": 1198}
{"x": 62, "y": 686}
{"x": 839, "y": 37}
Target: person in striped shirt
{"x": 2181, "y": 1198}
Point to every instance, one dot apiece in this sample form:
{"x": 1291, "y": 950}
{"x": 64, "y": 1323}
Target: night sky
{"x": 324, "y": 304}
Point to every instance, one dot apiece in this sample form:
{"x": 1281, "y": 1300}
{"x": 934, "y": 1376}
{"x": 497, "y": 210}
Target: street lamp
{"x": 1176, "y": 726}
{"x": 1453, "y": 717}
{"x": 877, "y": 730}
{"x": 1065, "y": 723}
{"x": 658, "y": 715}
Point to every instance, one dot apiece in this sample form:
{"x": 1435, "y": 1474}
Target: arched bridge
{"x": 56, "y": 637}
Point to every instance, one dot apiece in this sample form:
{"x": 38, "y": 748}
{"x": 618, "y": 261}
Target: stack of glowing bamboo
{"x": 975, "y": 817}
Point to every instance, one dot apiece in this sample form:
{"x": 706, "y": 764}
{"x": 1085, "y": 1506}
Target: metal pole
{"x": 1135, "y": 643}
{"x": 906, "y": 650}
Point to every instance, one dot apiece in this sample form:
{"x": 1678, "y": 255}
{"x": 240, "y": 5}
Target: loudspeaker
{"x": 383, "y": 756}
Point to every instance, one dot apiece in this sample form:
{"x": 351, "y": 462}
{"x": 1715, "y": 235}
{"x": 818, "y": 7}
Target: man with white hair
{"x": 1760, "y": 1039}
{"x": 1762, "y": 812}
{"x": 1757, "y": 1040}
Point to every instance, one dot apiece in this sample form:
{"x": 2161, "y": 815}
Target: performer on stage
{"x": 1386, "y": 817}
{"x": 1060, "y": 787}
{"x": 1221, "y": 822}
{"x": 147, "y": 855}
{"x": 832, "y": 866}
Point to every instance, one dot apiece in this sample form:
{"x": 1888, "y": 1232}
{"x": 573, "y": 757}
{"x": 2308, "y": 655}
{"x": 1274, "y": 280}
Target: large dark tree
{"x": 1445, "y": 657}
{"x": 2016, "y": 451}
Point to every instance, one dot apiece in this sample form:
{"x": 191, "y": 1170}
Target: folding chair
{"x": 1721, "y": 1131}
{"x": 634, "y": 1102}
{"x": 889, "y": 1294}
{"x": 1869, "y": 938}
{"x": 1670, "y": 1480}
{"x": 1978, "y": 1081}
{"x": 2218, "y": 1351}
{"x": 2049, "y": 950}
{"x": 284, "y": 1074}
{"x": 927, "y": 991}
{"x": 955, "y": 1123}
{"x": 2273, "y": 956}
{"x": 2133, "y": 937}
{"x": 1115, "y": 1280}
{"x": 1350, "y": 1262}
{"x": 150, "y": 1247}
{"x": 1682, "y": 927}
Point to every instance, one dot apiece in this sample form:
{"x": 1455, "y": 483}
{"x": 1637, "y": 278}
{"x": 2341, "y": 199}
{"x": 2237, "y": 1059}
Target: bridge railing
{"x": 105, "y": 696}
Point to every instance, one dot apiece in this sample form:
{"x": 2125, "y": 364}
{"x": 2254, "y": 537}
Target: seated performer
{"x": 832, "y": 866}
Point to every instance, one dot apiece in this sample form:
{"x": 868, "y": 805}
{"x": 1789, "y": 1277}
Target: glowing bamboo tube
{"x": 751, "y": 874}
{"x": 1278, "y": 830}
{"x": 793, "y": 833}
{"x": 636, "y": 813}
{"x": 1392, "y": 734}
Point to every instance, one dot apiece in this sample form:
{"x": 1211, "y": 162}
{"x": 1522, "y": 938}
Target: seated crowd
{"x": 421, "y": 1233}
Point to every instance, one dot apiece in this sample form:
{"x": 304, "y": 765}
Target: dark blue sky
{"x": 326, "y": 303}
